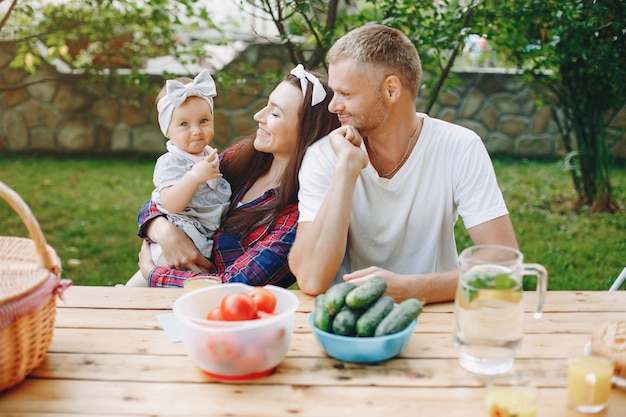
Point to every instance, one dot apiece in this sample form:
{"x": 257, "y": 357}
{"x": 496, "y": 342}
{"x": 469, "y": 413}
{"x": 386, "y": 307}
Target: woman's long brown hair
{"x": 248, "y": 164}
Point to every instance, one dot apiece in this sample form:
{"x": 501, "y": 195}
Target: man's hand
{"x": 431, "y": 288}
{"x": 346, "y": 142}
{"x": 396, "y": 284}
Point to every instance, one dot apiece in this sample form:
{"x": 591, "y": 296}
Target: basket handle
{"x": 20, "y": 207}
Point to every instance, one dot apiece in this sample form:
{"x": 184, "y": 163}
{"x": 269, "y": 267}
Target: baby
{"x": 189, "y": 185}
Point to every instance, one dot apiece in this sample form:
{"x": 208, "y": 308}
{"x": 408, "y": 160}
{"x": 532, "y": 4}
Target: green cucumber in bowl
{"x": 335, "y": 297}
{"x": 344, "y": 323}
{"x": 400, "y": 317}
{"x": 321, "y": 319}
{"x": 371, "y": 318}
{"x": 366, "y": 294}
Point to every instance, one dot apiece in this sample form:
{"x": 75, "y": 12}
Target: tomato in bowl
{"x": 235, "y": 349}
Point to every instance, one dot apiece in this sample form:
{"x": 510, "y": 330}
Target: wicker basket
{"x": 30, "y": 280}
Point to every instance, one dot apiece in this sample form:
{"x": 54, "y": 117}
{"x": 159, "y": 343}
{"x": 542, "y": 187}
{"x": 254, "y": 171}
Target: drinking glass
{"x": 589, "y": 382}
{"x": 488, "y": 307}
{"x": 191, "y": 284}
{"x": 511, "y": 396}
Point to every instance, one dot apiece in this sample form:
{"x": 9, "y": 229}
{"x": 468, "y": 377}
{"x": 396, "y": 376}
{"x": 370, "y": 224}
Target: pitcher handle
{"x": 541, "y": 273}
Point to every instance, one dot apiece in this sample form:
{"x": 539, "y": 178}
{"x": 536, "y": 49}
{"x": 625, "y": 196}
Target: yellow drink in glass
{"x": 196, "y": 283}
{"x": 504, "y": 402}
{"x": 589, "y": 383}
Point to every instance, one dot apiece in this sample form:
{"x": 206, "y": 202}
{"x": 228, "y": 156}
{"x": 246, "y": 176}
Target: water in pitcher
{"x": 488, "y": 323}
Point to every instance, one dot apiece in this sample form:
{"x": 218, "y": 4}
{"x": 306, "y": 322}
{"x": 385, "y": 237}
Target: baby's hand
{"x": 205, "y": 169}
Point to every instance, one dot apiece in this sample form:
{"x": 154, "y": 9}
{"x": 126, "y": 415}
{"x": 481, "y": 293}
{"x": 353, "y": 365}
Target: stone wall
{"x": 504, "y": 112}
{"x": 57, "y": 113}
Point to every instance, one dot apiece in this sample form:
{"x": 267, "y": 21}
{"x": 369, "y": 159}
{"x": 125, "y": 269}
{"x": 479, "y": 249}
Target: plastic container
{"x": 363, "y": 349}
{"x": 235, "y": 350}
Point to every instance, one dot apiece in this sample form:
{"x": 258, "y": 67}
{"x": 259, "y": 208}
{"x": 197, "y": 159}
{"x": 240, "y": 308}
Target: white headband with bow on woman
{"x": 202, "y": 86}
{"x": 319, "y": 94}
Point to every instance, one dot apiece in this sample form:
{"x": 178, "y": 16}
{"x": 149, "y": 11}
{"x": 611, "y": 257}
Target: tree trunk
{"x": 594, "y": 165}
{"x": 582, "y": 105}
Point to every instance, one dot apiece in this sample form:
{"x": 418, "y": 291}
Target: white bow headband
{"x": 202, "y": 86}
{"x": 319, "y": 94}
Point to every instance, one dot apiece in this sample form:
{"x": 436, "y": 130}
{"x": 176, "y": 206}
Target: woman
{"x": 254, "y": 240}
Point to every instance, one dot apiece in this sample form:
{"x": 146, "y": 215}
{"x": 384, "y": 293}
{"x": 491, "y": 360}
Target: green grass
{"x": 87, "y": 209}
{"x": 580, "y": 250}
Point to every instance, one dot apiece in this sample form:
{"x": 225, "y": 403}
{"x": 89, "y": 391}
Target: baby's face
{"x": 191, "y": 128}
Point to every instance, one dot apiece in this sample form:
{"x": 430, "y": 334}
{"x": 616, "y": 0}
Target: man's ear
{"x": 392, "y": 87}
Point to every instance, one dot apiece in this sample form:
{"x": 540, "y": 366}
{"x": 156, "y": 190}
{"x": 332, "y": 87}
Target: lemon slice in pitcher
{"x": 482, "y": 288}
{"x": 509, "y": 296}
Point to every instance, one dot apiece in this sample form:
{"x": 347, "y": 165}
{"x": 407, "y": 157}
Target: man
{"x": 381, "y": 194}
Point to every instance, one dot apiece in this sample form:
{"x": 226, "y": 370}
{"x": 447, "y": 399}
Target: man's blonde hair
{"x": 383, "y": 48}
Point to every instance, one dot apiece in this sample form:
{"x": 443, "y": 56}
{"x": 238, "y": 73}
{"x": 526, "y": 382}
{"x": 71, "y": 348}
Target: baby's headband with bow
{"x": 319, "y": 94}
{"x": 202, "y": 86}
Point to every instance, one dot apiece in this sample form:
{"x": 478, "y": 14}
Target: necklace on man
{"x": 402, "y": 160}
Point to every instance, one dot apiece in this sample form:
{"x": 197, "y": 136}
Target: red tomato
{"x": 238, "y": 306}
{"x": 223, "y": 346}
{"x": 214, "y": 314}
{"x": 280, "y": 333}
{"x": 251, "y": 359}
{"x": 274, "y": 337}
{"x": 262, "y": 314}
{"x": 264, "y": 299}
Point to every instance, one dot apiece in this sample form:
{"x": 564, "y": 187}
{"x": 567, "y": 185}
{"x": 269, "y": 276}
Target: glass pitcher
{"x": 489, "y": 308}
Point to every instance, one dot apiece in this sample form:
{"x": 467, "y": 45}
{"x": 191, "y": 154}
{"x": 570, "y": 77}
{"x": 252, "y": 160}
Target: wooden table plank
{"x": 249, "y": 400}
{"x": 127, "y": 298}
{"x": 98, "y": 318}
{"x": 293, "y": 370}
{"x": 163, "y": 298}
{"x": 429, "y": 322}
{"x": 421, "y": 345}
{"x": 549, "y": 323}
{"x": 583, "y": 322}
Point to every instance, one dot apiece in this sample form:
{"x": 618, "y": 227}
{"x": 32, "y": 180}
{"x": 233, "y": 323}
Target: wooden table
{"x": 109, "y": 357}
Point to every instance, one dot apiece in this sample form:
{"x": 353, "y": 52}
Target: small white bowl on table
{"x": 268, "y": 337}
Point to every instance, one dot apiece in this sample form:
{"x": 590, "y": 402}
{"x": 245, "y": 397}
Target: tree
{"x": 574, "y": 51}
{"x": 438, "y": 29}
{"x": 107, "y": 37}
{"x": 103, "y": 38}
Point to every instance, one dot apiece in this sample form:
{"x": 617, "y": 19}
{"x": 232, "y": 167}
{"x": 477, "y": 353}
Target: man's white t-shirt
{"x": 406, "y": 224}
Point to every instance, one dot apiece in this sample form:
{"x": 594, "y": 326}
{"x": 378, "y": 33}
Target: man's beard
{"x": 372, "y": 118}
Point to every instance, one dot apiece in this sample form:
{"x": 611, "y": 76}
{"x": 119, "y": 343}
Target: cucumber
{"x": 366, "y": 324}
{"x": 344, "y": 323}
{"x": 366, "y": 294}
{"x": 335, "y": 297}
{"x": 321, "y": 318}
{"x": 399, "y": 317}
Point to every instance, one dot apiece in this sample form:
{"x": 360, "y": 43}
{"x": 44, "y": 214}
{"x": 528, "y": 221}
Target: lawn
{"x": 87, "y": 209}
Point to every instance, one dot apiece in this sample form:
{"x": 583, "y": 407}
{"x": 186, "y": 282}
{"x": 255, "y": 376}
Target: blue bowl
{"x": 363, "y": 349}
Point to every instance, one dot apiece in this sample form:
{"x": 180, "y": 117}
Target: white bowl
{"x": 235, "y": 350}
